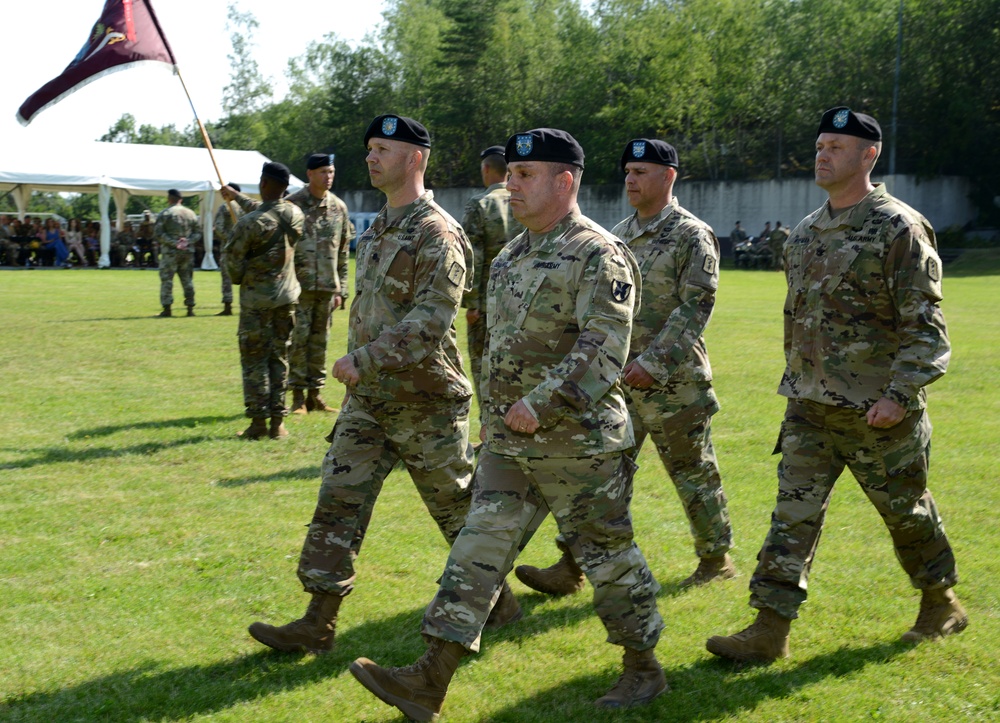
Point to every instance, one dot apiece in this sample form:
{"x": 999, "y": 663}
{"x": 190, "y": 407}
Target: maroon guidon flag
{"x": 127, "y": 34}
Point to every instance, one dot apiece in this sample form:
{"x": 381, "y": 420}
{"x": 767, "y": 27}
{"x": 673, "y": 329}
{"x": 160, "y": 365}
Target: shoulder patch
{"x": 620, "y": 290}
{"x": 456, "y": 273}
{"x": 933, "y": 269}
{"x": 709, "y": 266}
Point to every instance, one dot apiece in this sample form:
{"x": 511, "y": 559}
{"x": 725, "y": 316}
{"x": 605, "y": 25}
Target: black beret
{"x": 398, "y": 128}
{"x": 846, "y": 122}
{"x": 236, "y": 187}
{"x": 492, "y": 151}
{"x": 174, "y": 193}
{"x": 276, "y": 171}
{"x": 544, "y": 144}
{"x": 649, "y": 151}
{"x": 319, "y": 160}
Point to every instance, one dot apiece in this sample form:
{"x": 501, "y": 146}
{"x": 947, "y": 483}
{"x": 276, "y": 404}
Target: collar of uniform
{"x": 855, "y": 218}
{"x": 415, "y": 207}
{"x": 657, "y": 221}
{"x": 549, "y": 242}
{"x": 495, "y": 186}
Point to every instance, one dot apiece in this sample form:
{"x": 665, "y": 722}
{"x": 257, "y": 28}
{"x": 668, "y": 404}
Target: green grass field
{"x": 139, "y": 538}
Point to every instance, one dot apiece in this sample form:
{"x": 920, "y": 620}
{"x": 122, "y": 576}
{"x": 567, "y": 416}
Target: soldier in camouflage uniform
{"x": 176, "y": 233}
{"x": 864, "y": 334}
{"x": 489, "y": 225}
{"x": 124, "y": 244}
{"x": 260, "y": 255}
{"x": 776, "y": 245}
{"x": 409, "y": 398}
{"x": 321, "y": 258}
{"x": 223, "y": 227}
{"x": 555, "y": 431}
{"x": 668, "y": 378}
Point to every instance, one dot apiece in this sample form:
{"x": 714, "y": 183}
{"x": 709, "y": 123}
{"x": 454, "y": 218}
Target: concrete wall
{"x": 944, "y": 201}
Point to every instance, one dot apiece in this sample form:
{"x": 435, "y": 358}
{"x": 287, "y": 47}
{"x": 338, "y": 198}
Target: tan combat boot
{"x": 507, "y": 610}
{"x": 312, "y": 633}
{"x": 711, "y": 568}
{"x": 940, "y": 614}
{"x": 764, "y": 641}
{"x": 642, "y": 681}
{"x": 315, "y": 403}
{"x": 563, "y": 578}
{"x": 256, "y": 430}
{"x": 299, "y": 402}
{"x": 166, "y": 312}
{"x": 277, "y": 429}
{"x": 417, "y": 690}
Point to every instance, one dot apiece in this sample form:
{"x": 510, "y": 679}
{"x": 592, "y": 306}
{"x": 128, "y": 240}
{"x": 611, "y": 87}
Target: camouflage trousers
{"x": 476, "y": 336}
{"x": 227, "y": 282}
{"x": 312, "y": 330}
{"x": 678, "y": 418}
{"x": 182, "y": 264}
{"x": 589, "y": 498}
{"x": 817, "y": 441}
{"x": 264, "y": 336}
{"x": 369, "y": 437}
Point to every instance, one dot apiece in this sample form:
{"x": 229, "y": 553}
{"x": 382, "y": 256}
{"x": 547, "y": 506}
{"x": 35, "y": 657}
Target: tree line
{"x": 737, "y": 86}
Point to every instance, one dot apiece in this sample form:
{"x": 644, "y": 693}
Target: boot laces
{"x": 758, "y": 626}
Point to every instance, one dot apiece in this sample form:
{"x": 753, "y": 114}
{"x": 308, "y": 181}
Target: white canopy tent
{"x": 116, "y": 170}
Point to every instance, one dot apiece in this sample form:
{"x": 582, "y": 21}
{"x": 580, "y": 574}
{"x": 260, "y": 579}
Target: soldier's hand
{"x": 520, "y": 420}
{"x": 228, "y": 192}
{"x": 182, "y": 243}
{"x": 635, "y": 376}
{"x": 885, "y": 413}
{"x": 337, "y": 302}
{"x": 345, "y": 372}
{"x": 472, "y": 316}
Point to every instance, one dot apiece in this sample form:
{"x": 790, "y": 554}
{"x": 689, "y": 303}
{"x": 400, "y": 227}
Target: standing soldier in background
{"x": 489, "y": 225}
{"x": 864, "y": 334}
{"x": 176, "y": 233}
{"x": 223, "y": 228}
{"x": 555, "y": 432}
{"x": 261, "y": 259}
{"x": 321, "y": 258}
{"x": 408, "y": 398}
{"x": 668, "y": 378}
{"x": 777, "y": 244}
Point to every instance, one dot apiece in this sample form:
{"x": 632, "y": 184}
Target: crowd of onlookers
{"x": 35, "y": 242}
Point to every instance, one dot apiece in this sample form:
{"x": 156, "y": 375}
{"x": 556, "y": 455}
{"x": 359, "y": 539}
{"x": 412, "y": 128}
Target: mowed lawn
{"x": 139, "y": 538}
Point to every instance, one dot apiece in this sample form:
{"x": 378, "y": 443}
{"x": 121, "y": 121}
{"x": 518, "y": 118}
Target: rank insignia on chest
{"x": 620, "y": 290}
{"x": 524, "y": 145}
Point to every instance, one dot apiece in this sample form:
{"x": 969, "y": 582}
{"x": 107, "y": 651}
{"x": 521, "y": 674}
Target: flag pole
{"x": 204, "y": 136}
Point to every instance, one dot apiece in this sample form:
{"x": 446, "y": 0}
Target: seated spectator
{"x": 124, "y": 247}
{"x": 92, "y": 241}
{"x": 74, "y": 240}
{"x": 9, "y": 247}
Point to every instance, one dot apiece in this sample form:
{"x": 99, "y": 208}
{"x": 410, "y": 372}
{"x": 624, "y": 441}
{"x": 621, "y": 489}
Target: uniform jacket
{"x": 559, "y": 319}
{"x": 260, "y": 255}
{"x": 678, "y": 257}
{"x": 173, "y": 223}
{"x": 322, "y": 254}
{"x": 489, "y": 225}
{"x": 862, "y": 318}
{"x": 411, "y": 275}
{"x": 222, "y": 224}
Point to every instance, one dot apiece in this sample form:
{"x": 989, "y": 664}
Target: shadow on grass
{"x": 709, "y": 689}
{"x": 187, "y": 422}
{"x": 300, "y": 473}
{"x": 147, "y": 692}
{"x": 62, "y": 454}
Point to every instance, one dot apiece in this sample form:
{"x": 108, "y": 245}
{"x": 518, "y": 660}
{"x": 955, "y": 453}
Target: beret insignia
{"x": 524, "y": 145}
{"x": 639, "y": 149}
{"x": 389, "y": 125}
{"x": 840, "y": 119}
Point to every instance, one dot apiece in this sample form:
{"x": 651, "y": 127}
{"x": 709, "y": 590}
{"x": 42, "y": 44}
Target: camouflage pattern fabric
{"x": 321, "y": 258}
{"x": 369, "y": 437}
{"x": 559, "y": 318}
{"x": 261, "y": 256}
{"x": 223, "y": 226}
{"x": 862, "y": 321}
{"x": 776, "y": 245}
{"x": 589, "y": 498}
{"x": 264, "y": 336}
{"x": 489, "y": 225}
{"x": 312, "y": 330}
{"x": 172, "y": 224}
{"x": 817, "y": 441}
{"x": 124, "y": 245}
{"x": 678, "y": 257}
{"x": 411, "y": 274}
{"x": 862, "y": 313}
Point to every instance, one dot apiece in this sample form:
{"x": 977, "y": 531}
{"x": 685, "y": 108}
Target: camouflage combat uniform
{"x": 862, "y": 321}
{"x": 173, "y": 223}
{"x": 223, "y": 228}
{"x": 124, "y": 245}
{"x": 412, "y": 401}
{"x": 321, "y": 258}
{"x": 559, "y": 313}
{"x": 489, "y": 225}
{"x": 678, "y": 257}
{"x": 260, "y": 256}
